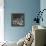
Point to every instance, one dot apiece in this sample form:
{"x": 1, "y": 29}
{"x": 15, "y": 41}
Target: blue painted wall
{"x": 28, "y": 7}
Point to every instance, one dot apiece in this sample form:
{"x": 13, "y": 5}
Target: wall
{"x": 28, "y": 7}
{"x": 43, "y": 6}
{"x": 1, "y": 21}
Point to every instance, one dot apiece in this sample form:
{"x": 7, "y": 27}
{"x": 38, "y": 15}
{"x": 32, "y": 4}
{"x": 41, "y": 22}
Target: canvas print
{"x": 17, "y": 19}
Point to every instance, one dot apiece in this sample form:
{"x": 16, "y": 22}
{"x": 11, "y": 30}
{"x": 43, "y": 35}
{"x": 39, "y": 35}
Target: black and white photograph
{"x": 17, "y": 19}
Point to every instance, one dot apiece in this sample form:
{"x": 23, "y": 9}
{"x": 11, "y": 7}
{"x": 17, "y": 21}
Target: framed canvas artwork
{"x": 17, "y": 19}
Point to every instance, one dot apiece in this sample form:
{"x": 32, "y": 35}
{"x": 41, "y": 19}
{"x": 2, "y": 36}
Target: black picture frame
{"x": 17, "y": 19}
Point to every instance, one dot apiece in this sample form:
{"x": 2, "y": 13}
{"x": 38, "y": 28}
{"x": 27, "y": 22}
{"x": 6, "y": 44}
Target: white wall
{"x": 43, "y": 6}
{"x": 1, "y": 21}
